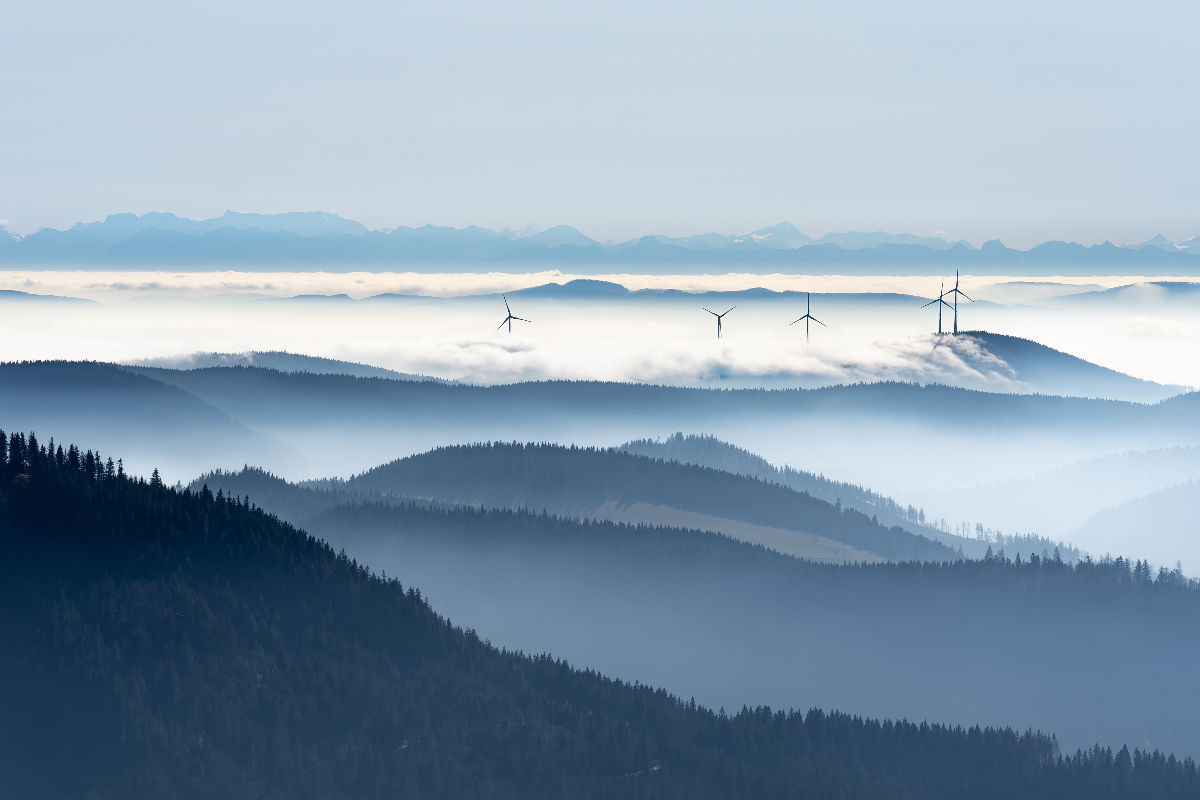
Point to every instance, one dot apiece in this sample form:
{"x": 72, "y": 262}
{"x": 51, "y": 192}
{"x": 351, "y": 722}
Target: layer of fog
{"x": 167, "y": 315}
{"x": 971, "y": 474}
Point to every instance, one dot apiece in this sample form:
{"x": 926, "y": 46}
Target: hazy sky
{"x": 1018, "y": 120}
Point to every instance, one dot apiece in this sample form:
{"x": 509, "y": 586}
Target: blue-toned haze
{"x": 1024, "y": 121}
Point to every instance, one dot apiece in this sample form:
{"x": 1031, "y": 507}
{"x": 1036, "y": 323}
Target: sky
{"x": 1023, "y": 121}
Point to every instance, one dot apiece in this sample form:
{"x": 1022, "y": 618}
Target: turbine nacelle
{"x": 808, "y": 317}
{"x": 719, "y": 316}
{"x": 510, "y": 318}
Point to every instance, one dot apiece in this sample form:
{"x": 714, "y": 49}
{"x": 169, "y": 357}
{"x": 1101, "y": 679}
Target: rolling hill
{"x": 1049, "y": 371}
{"x": 709, "y": 451}
{"x": 281, "y": 361}
{"x": 157, "y": 424}
{"x": 731, "y": 623}
{"x": 1162, "y": 526}
{"x": 623, "y": 487}
{"x": 306, "y": 425}
{"x": 182, "y": 645}
{"x": 1058, "y": 502}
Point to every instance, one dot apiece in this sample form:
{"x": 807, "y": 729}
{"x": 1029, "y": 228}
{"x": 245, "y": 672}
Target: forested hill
{"x": 709, "y": 451}
{"x": 1052, "y": 371}
{"x": 298, "y": 424}
{"x": 163, "y": 644}
{"x": 993, "y": 641}
{"x": 611, "y": 484}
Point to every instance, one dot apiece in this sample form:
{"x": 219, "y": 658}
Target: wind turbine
{"x": 956, "y": 293}
{"x": 509, "y": 319}
{"x": 941, "y": 302}
{"x": 809, "y": 317}
{"x": 718, "y": 316}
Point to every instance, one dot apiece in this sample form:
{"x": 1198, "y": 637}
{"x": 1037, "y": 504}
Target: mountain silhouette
{"x": 308, "y": 240}
{"x": 281, "y": 361}
{"x": 185, "y": 645}
{"x": 1048, "y": 371}
{"x": 288, "y": 415}
{"x": 13, "y": 296}
{"x": 624, "y": 487}
{"x": 731, "y": 623}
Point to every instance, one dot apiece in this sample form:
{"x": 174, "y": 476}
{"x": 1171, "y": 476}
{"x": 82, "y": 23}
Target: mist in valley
{"x": 446, "y": 325}
{"x": 600, "y": 401}
{"x": 731, "y": 624}
{"x": 970, "y": 461}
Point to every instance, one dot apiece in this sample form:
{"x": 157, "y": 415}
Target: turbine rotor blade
{"x": 822, "y": 324}
{"x": 522, "y": 319}
{"x": 501, "y": 325}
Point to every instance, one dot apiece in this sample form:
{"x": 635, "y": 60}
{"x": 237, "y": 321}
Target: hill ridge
{"x": 168, "y": 582}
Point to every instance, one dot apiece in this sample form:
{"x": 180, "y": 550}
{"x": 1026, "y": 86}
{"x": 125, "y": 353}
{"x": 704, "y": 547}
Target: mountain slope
{"x": 1059, "y": 501}
{"x": 181, "y": 645}
{"x": 1162, "y": 526}
{"x": 281, "y": 361}
{"x": 730, "y": 623}
{"x": 709, "y": 451}
{"x": 158, "y": 424}
{"x": 609, "y": 484}
{"x": 1051, "y": 371}
{"x": 337, "y": 424}
{"x": 16, "y": 298}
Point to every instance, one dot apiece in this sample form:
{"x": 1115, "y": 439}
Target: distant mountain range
{"x": 297, "y": 423}
{"x": 318, "y": 240}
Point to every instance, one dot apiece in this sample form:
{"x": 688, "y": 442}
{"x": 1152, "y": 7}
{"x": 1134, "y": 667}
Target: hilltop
{"x": 1045, "y": 370}
{"x": 728, "y": 622}
{"x": 278, "y": 360}
{"x": 209, "y": 650}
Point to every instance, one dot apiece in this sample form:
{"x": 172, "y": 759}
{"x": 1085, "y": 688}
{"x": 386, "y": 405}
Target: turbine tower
{"x": 941, "y": 302}
{"x": 509, "y": 319}
{"x": 808, "y": 317}
{"x": 956, "y": 293}
{"x": 718, "y": 316}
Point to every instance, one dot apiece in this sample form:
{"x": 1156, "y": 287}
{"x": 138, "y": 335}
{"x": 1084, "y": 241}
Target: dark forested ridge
{"x": 155, "y": 423}
{"x": 576, "y": 481}
{"x": 993, "y": 641}
{"x": 172, "y": 644}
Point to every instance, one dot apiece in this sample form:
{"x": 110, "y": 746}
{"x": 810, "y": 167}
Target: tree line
{"x": 182, "y": 644}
